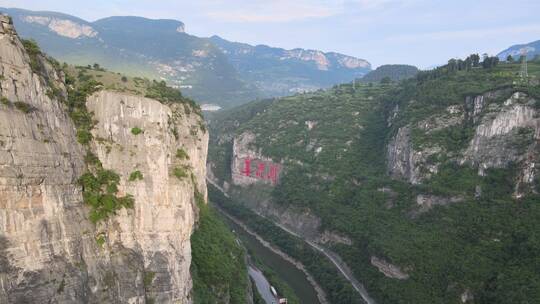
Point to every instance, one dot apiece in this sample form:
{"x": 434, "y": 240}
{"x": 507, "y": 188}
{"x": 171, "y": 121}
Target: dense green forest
{"x": 218, "y": 262}
{"x": 390, "y": 72}
{"x": 486, "y": 244}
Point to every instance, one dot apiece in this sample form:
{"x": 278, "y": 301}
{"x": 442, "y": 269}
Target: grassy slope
{"x": 488, "y": 245}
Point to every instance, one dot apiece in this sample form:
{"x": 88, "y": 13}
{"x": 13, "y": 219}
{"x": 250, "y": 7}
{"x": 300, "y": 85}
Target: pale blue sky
{"x": 419, "y": 32}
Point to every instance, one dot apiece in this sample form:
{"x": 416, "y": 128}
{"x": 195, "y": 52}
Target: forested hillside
{"x": 390, "y": 72}
{"x": 433, "y": 179}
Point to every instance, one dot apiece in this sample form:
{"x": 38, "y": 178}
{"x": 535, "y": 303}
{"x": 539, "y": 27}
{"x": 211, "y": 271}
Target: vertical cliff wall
{"x": 49, "y": 251}
{"x": 161, "y": 223}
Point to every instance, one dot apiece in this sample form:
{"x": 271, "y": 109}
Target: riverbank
{"x": 339, "y": 263}
{"x": 333, "y": 257}
{"x": 321, "y": 295}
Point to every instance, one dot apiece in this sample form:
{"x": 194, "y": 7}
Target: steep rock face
{"x": 406, "y": 163}
{"x": 508, "y": 134}
{"x": 505, "y": 132}
{"x": 63, "y": 27}
{"x": 399, "y": 155}
{"x": 161, "y": 223}
{"x": 48, "y": 248}
{"x": 250, "y": 166}
{"x": 41, "y": 216}
{"x": 493, "y": 145}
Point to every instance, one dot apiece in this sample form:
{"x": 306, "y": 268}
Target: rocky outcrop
{"x": 466, "y": 296}
{"x": 249, "y": 166}
{"x": 506, "y": 134}
{"x": 426, "y": 202}
{"x": 389, "y": 270}
{"x": 454, "y": 115}
{"x": 403, "y": 162}
{"x": 49, "y": 251}
{"x": 399, "y": 155}
{"x": 63, "y": 27}
{"x": 317, "y": 57}
{"x": 350, "y": 62}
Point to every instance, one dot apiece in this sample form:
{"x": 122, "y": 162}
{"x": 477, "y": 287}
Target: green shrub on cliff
{"x": 136, "y": 131}
{"x": 99, "y": 193}
{"x": 5, "y": 101}
{"x": 135, "y": 175}
{"x": 33, "y": 51}
{"x": 23, "y": 107}
{"x": 181, "y": 154}
{"x": 181, "y": 172}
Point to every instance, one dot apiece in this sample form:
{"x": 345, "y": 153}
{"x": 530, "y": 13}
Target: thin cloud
{"x": 277, "y": 11}
{"x": 466, "y": 34}
{"x": 287, "y": 11}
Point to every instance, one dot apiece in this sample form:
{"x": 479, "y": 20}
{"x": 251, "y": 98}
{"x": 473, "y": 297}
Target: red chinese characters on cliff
{"x": 262, "y": 170}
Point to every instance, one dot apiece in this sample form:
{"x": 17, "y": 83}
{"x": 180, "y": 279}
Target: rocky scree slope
{"x": 427, "y": 188}
{"x": 99, "y": 217}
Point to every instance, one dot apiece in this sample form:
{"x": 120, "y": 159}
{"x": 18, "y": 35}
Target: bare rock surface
{"x": 404, "y": 162}
{"x": 388, "y": 269}
{"x": 48, "y": 248}
{"x": 162, "y": 221}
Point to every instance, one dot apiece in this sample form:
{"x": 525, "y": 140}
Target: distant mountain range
{"x": 211, "y": 70}
{"x": 281, "y": 72}
{"x": 532, "y": 49}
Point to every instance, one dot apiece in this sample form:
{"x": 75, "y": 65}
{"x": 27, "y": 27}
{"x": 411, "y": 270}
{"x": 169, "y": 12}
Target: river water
{"x": 294, "y": 277}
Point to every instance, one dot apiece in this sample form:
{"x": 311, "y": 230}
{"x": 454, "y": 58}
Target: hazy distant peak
{"x": 324, "y": 61}
{"x": 141, "y": 23}
{"x": 61, "y": 24}
{"x": 63, "y": 27}
{"x": 531, "y": 49}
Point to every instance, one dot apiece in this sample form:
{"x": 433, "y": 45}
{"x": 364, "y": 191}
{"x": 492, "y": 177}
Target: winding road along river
{"x": 286, "y": 271}
{"x": 333, "y": 257}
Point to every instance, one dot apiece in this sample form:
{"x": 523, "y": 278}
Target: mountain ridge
{"x": 532, "y": 48}
{"x": 161, "y": 49}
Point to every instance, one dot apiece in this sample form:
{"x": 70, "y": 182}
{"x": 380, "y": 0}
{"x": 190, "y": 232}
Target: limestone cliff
{"x": 505, "y": 133}
{"x": 49, "y": 251}
{"x": 508, "y": 133}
